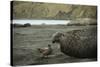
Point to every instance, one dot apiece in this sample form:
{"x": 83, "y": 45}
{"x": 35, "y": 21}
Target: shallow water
{"x": 28, "y": 39}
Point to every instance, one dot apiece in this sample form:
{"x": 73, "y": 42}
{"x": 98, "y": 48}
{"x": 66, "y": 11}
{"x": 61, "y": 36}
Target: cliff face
{"x": 36, "y": 10}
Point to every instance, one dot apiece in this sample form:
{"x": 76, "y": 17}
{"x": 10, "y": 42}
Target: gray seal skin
{"x": 78, "y": 43}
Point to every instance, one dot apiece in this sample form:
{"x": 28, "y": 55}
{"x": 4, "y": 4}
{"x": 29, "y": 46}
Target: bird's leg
{"x": 42, "y": 56}
{"x": 47, "y": 56}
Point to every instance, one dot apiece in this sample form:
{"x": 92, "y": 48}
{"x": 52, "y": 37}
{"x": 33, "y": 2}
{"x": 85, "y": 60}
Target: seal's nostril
{"x": 53, "y": 41}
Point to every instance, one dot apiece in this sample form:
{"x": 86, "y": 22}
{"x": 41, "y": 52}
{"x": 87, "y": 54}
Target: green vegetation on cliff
{"x": 39, "y": 10}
